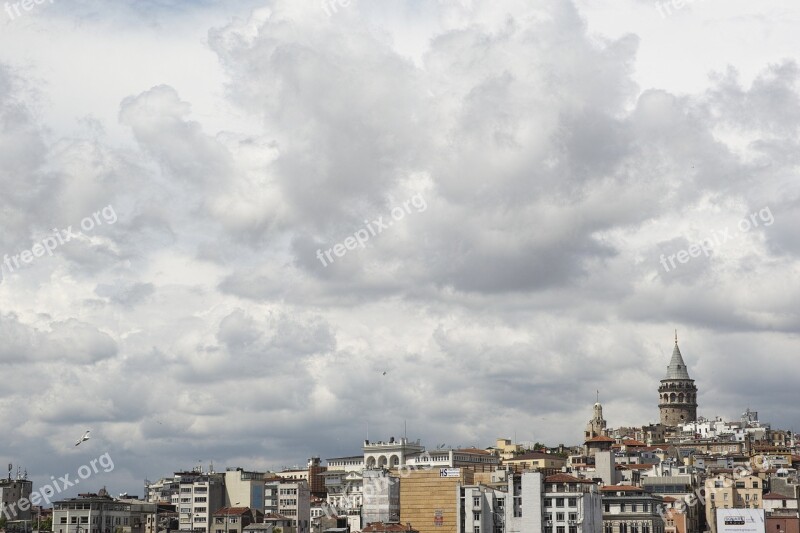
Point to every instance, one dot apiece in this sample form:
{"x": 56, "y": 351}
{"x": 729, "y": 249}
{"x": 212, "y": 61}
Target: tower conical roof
{"x": 677, "y": 368}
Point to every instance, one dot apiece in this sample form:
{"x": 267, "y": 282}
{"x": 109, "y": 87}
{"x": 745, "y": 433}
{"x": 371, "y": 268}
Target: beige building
{"x": 505, "y": 449}
{"x": 428, "y": 498}
{"x": 729, "y": 491}
{"x": 535, "y": 461}
{"x": 244, "y": 489}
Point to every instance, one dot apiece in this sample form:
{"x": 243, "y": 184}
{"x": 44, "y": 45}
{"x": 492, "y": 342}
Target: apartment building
{"x": 780, "y": 506}
{"x": 629, "y": 509}
{"x": 505, "y": 449}
{"x": 235, "y": 519}
{"x": 354, "y": 463}
{"x": 727, "y": 490}
{"x": 535, "y": 461}
{"x": 381, "y": 498}
{"x": 473, "y": 458}
{"x": 429, "y": 498}
{"x": 676, "y": 488}
{"x": 12, "y": 491}
{"x": 571, "y": 505}
{"x": 313, "y": 474}
{"x": 162, "y": 491}
{"x": 100, "y": 513}
{"x": 244, "y": 489}
{"x": 290, "y": 499}
{"x": 482, "y": 509}
{"x": 344, "y": 489}
{"x": 523, "y": 505}
{"x": 199, "y": 496}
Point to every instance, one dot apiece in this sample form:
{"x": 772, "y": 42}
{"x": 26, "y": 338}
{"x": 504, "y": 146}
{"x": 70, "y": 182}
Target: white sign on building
{"x": 740, "y": 521}
{"x": 449, "y": 472}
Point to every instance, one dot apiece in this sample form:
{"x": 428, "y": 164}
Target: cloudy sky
{"x": 222, "y": 222}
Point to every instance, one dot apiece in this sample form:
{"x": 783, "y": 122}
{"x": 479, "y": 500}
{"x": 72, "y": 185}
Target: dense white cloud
{"x": 554, "y": 163}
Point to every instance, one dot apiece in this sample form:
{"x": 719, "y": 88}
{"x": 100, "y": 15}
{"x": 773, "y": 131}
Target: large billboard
{"x": 740, "y": 521}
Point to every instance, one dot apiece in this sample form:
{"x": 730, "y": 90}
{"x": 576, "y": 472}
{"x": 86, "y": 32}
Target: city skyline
{"x": 254, "y": 232}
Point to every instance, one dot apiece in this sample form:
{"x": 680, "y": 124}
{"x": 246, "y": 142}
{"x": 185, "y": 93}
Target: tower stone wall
{"x": 677, "y": 393}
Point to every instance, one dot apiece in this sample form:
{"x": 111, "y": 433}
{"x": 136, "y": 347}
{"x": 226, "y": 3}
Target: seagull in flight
{"x": 84, "y": 438}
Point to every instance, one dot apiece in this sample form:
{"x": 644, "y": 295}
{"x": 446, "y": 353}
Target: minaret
{"x": 677, "y": 393}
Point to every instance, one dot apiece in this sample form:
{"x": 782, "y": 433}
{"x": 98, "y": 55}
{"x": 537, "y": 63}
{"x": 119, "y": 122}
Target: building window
{"x": 476, "y": 529}
{"x": 548, "y": 502}
{"x": 559, "y": 502}
{"x": 623, "y": 528}
{"x": 559, "y": 517}
{"x": 607, "y": 507}
{"x": 559, "y": 529}
{"x": 476, "y": 517}
{"x": 476, "y": 501}
{"x": 573, "y": 529}
{"x": 573, "y": 516}
{"x": 622, "y": 507}
{"x": 572, "y": 502}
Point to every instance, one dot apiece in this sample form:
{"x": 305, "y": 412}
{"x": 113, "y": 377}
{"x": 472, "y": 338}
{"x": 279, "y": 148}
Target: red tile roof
{"x": 773, "y": 496}
{"x": 600, "y": 438}
{"x": 475, "y": 450}
{"x": 635, "y": 466}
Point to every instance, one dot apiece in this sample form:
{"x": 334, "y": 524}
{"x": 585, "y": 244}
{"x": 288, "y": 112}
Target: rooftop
{"x": 600, "y": 438}
{"x": 225, "y": 511}
{"x": 532, "y": 456}
{"x": 621, "y": 488}
{"x": 565, "y": 478}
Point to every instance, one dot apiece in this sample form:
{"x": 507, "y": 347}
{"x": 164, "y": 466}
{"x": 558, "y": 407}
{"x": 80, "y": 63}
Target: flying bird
{"x": 84, "y": 438}
{"x": 384, "y": 373}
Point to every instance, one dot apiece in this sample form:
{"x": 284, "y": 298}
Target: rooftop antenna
{"x": 676, "y": 336}
{"x": 405, "y": 429}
